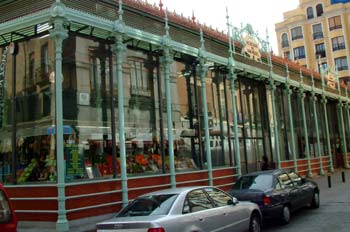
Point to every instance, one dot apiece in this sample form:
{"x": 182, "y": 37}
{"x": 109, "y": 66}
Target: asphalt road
{"x": 333, "y": 214}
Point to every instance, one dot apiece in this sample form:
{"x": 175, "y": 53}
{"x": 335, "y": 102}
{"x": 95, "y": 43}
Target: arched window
{"x": 310, "y": 12}
{"x": 319, "y": 10}
{"x": 285, "y": 42}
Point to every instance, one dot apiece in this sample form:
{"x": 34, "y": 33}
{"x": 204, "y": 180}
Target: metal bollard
{"x": 329, "y": 181}
{"x": 343, "y": 176}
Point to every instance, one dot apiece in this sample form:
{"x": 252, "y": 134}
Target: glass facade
{"x": 90, "y": 109}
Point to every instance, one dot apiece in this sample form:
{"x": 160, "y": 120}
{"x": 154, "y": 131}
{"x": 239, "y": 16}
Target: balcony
{"x": 320, "y": 54}
{"x": 337, "y": 47}
{"x": 299, "y": 57}
{"x": 342, "y": 67}
{"x": 335, "y": 27}
{"x": 318, "y": 35}
{"x": 297, "y": 37}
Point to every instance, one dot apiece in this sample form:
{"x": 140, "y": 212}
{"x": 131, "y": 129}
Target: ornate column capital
{"x": 301, "y": 93}
{"x": 58, "y": 21}
{"x": 271, "y": 86}
{"x": 288, "y": 90}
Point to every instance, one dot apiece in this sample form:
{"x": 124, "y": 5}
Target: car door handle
{"x": 201, "y": 219}
{"x": 225, "y": 214}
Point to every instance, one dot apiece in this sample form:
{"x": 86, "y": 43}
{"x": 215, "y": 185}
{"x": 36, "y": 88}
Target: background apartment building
{"x": 317, "y": 33}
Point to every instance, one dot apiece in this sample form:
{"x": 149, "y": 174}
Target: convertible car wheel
{"x": 285, "y": 216}
{"x": 255, "y": 224}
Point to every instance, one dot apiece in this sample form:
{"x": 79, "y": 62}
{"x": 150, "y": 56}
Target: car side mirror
{"x": 186, "y": 209}
{"x": 232, "y": 201}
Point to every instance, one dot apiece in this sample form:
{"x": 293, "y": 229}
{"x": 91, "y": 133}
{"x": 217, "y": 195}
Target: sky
{"x": 261, "y": 14}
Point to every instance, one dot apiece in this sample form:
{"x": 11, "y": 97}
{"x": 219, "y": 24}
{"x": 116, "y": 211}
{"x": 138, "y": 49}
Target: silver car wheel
{"x": 255, "y": 225}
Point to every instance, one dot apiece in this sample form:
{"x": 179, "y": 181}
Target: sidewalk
{"x": 335, "y": 181}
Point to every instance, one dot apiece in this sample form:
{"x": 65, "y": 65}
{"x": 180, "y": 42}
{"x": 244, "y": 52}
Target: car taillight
{"x": 267, "y": 200}
{"x": 5, "y": 210}
{"x": 160, "y": 229}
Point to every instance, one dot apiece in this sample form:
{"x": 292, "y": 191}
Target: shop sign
{"x": 67, "y": 130}
{"x": 330, "y": 80}
{"x": 251, "y": 47}
{"x": 2, "y": 83}
{"x": 74, "y": 162}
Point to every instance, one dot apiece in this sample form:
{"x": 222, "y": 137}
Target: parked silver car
{"x": 188, "y": 209}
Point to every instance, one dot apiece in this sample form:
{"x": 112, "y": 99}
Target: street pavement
{"x": 333, "y": 214}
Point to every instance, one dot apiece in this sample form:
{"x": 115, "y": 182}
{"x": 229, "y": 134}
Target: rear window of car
{"x": 257, "y": 182}
{"x": 149, "y": 205}
{"x": 5, "y": 210}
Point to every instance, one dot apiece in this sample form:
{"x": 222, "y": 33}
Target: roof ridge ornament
{"x": 161, "y": 5}
{"x": 202, "y": 39}
{"x": 193, "y": 17}
{"x": 119, "y": 25}
{"x": 166, "y": 37}
{"x": 120, "y": 10}
{"x": 166, "y": 23}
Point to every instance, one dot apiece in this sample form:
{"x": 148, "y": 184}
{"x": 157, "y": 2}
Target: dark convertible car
{"x": 277, "y": 192}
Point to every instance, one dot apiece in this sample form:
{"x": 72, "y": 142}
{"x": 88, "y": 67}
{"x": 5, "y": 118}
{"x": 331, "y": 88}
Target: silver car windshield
{"x": 258, "y": 182}
{"x": 149, "y": 205}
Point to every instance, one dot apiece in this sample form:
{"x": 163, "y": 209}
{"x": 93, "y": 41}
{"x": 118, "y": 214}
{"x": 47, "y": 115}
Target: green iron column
{"x": 217, "y": 80}
{"x": 342, "y": 127}
{"x": 272, "y": 88}
{"x": 288, "y": 91}
{"x": 342, "y": 124}
{"x": 119, "y": 50}
{"x": 314, "y": 100}
{"x": 166, "y": 61}
{"x": 348, "y": 120}
{"x": 306, "y": 137}
{"x": 232, "y": 77}
{"x": 203, "y": 69}
{"x": 324, "y": 103}
{"x": 59, "y": 33}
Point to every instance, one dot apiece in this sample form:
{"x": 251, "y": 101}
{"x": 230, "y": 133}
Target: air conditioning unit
{"x": 84, "y": 99}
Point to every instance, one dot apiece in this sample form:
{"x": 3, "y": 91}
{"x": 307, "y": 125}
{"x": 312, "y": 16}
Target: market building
{"x": 102, "y": 101}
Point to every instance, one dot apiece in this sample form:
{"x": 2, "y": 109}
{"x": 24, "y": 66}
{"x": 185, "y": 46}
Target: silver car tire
{"x": 255, "y": 224}
{"x": 285, "y": 216}
{"x": 315, "y": 200}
